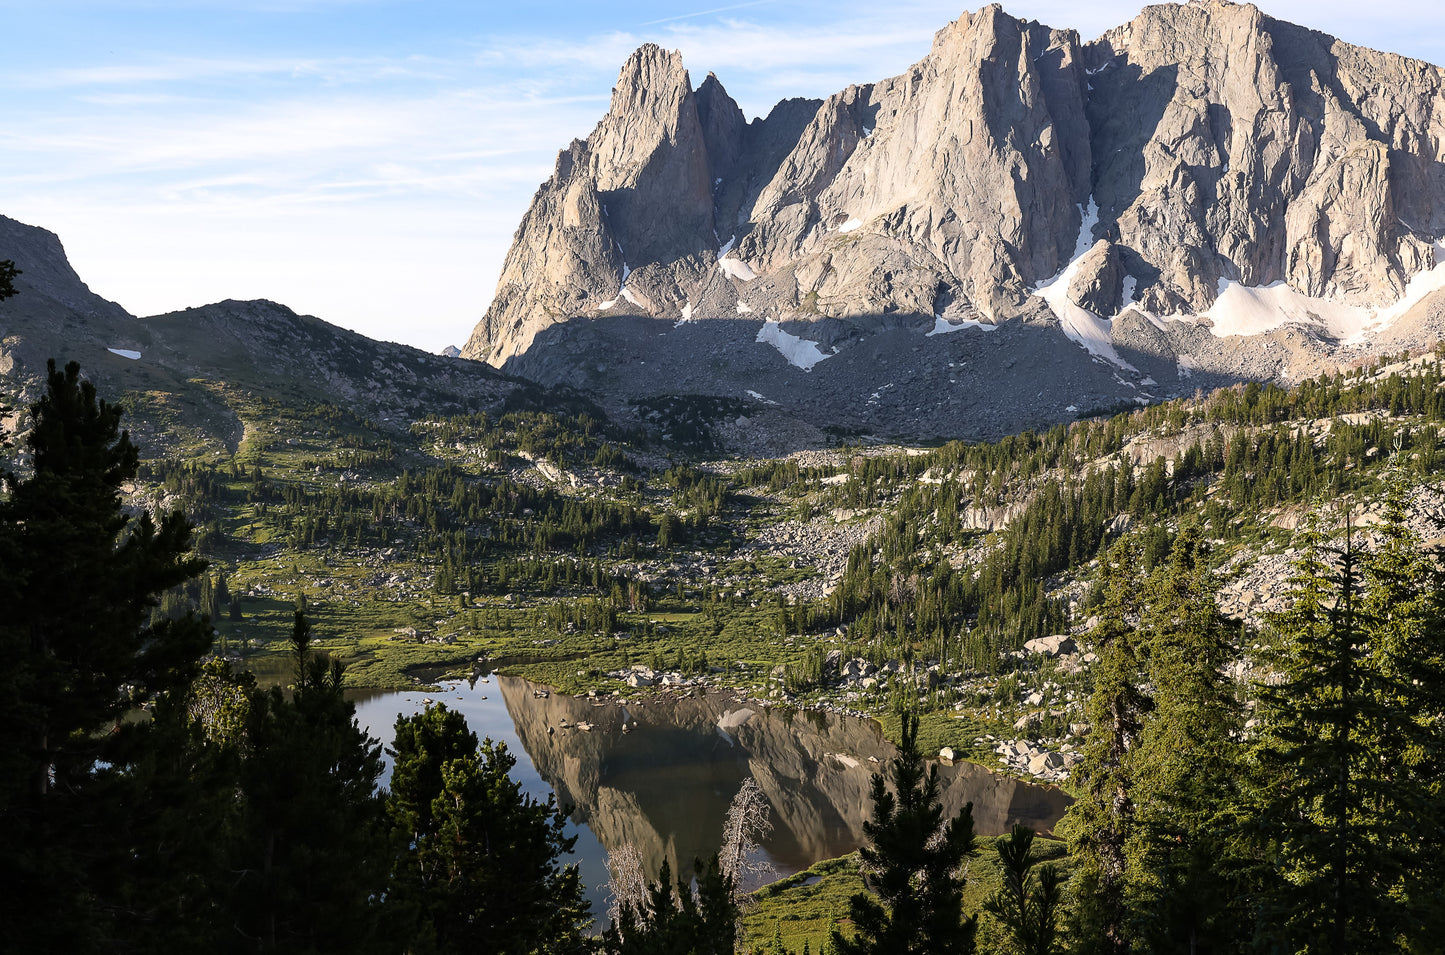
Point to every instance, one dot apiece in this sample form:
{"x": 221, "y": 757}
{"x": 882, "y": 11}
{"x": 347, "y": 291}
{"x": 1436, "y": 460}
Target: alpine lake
{"x": 659, "y": 771}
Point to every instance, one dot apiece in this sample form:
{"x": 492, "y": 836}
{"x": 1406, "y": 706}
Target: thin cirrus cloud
{"x": 188, "y": 70}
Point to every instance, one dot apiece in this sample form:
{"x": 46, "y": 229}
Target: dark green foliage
{"x": 310, "y": 851}
{"x": 1100, "y": 823}
{"x": 78, "y": 651}
{"x": 173, "y": 811}
{"x": 480, "y": 858}
{"x": 1028, "y": 905}
{"x": 913, "y": 867}
{"x": 555, "y": 400}
{"x": 678, "y": 921}
{"x": 1155, "y": 827}
{"x": 895, "y": 600}
{"x": 686, "y": 421}
{"x": 1187, "y": 768}
{"x": 1403, "y": 617}
{"x": 1349, "y": 817}
{"x": 8, "y": 271}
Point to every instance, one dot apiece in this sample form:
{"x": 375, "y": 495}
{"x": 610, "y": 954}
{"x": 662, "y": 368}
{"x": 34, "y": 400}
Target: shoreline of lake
{"x": 658, "y": 772}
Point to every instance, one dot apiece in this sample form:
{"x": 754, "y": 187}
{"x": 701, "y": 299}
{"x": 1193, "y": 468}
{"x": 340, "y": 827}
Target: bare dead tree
{"x": 626, "y": 880}
{"x": 748, "y": 821}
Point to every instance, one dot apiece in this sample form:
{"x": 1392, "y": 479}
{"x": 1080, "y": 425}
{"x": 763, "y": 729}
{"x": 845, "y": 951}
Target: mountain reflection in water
{"x": 665, "y": 782}
{"x": 660, "y": 774}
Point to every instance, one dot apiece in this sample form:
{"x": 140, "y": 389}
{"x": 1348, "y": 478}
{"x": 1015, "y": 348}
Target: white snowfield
{"x": 853, "y": 223}
{"x": 1237, "y": 309}
{"x": 125, "y": 353}
{"x": 799, "y": 352}
{"x": 1080, "y": 324}
{"x": 737, "y": 268}
{"x": 942, "y": 326}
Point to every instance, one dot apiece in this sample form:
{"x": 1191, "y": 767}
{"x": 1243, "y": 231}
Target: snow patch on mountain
{"x": 1244, "y": 310}
{"x": 736, "y": 268}
{"x": 799, "y": 352}
{"x": 942, "y": 326}
{"x": 1081, "y": 325}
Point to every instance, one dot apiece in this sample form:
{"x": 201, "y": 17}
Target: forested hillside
{"x": 1049, "y": 605}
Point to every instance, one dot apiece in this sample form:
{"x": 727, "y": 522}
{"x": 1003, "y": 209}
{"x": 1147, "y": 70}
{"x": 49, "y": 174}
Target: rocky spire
{"x": 1197, "y": 145}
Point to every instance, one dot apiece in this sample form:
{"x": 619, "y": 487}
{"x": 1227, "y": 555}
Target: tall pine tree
{"x": 914, "y": 866}
{"x": 310, "y": 851}
{"x": 1187, "y": 766}
{"x": 78, "y": 653}
{"x": 1100, "y": 823}
{"x": 1403, "y": 612}
{"x": 1333, "y": 814}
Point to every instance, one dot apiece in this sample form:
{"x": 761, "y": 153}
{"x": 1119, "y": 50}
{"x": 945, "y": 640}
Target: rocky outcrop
{"x": 1200, "y": 148}
{"x": 1098, "y": 282}
{"x": 1233, "y": 145}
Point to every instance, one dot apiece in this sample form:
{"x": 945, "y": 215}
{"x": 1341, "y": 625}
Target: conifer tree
{"x": 1186, "y": 766}
{"x": 78, "y": 651}
{"x": 1100, "y": 823}
{"x": 481, "y": 858}
{"x": 1338, "y": 819}
{"x": 310, "y": 852}
{"x": 173, "y": 810}
{"x": 1402, "y": 612}
{"x": 1029, "y": 902}
{"x": 914, "y": 865}
{"x": 8, "y": 271}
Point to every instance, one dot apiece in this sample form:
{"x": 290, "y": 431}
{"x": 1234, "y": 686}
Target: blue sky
{"x": 367, "y": 161}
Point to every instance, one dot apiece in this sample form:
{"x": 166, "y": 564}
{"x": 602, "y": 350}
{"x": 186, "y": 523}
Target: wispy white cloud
{"x": 177, "y": 70}
{"x": 705, "y": 13}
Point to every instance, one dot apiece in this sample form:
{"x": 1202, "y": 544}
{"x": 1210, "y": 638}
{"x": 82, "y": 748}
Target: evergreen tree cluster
{"x": 1071, "y": 491}
{"x": 1299, "y": 813}
{"x": 148, "y": 803}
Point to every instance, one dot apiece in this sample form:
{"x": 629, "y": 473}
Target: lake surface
{"x": 660, "y": 773}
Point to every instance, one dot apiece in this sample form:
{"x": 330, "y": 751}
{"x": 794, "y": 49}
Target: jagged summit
{"x": 1202, "y": 194}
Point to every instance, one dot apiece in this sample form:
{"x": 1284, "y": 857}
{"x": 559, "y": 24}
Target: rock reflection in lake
{"x": 660, "y": 774}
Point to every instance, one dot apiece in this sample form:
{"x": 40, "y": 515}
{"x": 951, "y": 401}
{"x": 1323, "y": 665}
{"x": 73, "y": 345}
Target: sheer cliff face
{"x": 1231, "y": 145}
{"x": 947, "y": 189}
{"x": 1198, "y": 143}
{"x": 636, "y": 195}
